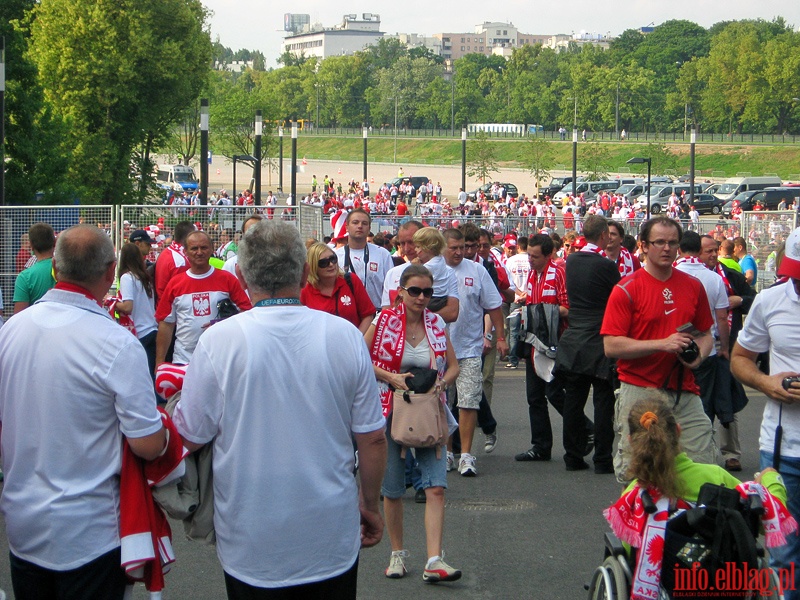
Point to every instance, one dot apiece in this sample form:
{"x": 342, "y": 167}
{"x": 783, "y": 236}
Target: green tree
{"x": 539, "y": 156}
{"x": 120, "y": 78}
{"x": 481, "y": 157}
{"x": 595, "y": 159}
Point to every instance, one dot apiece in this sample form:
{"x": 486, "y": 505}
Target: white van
{"x": 736, "y": 185}
{"x": 179, "y": 178}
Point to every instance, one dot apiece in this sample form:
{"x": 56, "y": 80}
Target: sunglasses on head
{"x": 325, "y": 262}
{"x": 415, "y": 291}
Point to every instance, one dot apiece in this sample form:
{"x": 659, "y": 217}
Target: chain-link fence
{"x": 764, "y": 232}
{"x": 15, "y": 249}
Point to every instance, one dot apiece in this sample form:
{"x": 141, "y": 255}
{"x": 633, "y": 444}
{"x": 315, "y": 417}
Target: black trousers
{"x": 100, "y": 579}
{"x": 577, "y": 387}
{"x": 341, "y": 587}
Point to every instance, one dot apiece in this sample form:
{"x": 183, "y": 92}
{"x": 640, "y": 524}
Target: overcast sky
{"x": 258, "y": 24}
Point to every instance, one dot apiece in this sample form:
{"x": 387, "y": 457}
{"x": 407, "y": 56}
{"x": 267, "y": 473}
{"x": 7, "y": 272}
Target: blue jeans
{"x": 783, "y": 556}
{"x": 513, "y": 333}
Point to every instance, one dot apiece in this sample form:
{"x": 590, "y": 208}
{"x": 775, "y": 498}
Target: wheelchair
{"x": 612, "y": 579}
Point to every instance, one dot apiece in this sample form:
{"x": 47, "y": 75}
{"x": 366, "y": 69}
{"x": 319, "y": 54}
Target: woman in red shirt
{"x": 329, "y": 291}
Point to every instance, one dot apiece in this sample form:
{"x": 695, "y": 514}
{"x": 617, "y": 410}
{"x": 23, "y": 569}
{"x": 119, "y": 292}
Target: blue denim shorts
{"x": 433, "y": 471}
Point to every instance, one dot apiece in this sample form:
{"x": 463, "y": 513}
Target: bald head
{"x": 83, "y": 255}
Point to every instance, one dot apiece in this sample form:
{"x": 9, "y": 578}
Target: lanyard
{"x": 278, "y": 302}
{"x": 349, "y": 264}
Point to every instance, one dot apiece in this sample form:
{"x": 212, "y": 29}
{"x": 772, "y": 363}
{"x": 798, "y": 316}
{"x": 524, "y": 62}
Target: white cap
{"x": 790, "y": 265}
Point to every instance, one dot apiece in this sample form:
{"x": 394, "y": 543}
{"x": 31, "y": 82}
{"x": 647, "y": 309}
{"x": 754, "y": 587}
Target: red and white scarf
{"x": 631, "y": 524}
{"x": 590, "y": 247}
{"x": 389, "y": 342}
{"x": 177, "y": 249}
{"x": 625, "y": 263}
{"x": 542, "y": 288}
{"x": 691, "y": 260}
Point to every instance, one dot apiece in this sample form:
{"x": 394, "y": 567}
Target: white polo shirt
{"x": 72, "y": 383}
{"x": 773, "y": 325}
{"x": 715, "y": 290}
{"x": 372, "y": 275}
{"x": 476, "y": 294}
{"x": 280, "y": 390}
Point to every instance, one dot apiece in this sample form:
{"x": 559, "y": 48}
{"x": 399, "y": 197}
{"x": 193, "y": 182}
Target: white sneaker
{"x": 451, "y": 461}
{"x": 490, "y": 443}
{"x": 397, "y": 568}
{"x": 466, "y": 466}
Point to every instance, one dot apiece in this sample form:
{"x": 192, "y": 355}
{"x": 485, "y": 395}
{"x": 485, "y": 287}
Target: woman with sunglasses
{"x": 330, "y": 291}
{"x": 406, "y": 336}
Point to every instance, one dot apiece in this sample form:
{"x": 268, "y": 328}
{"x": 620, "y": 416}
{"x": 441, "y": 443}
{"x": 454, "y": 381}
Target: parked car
{"x": 631, "y": 191}
{"x": 659, "y": 195}
{"x": 415, "y": 181}
{"x": 556, "y": 185}
{"x": 486, "y": 188}
{"x": 708, "y": 203}
{"x": 770, "y": 198}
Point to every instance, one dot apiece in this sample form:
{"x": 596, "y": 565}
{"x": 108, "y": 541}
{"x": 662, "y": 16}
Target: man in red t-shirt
{"x": 651, "y": 318}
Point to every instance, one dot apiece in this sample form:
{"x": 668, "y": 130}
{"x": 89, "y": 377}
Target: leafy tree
{"x": 539, "y": 156}
{"x": 386, "y": 53}
{"x": 481, "y": 157}
{"x": 663, "y": 161}
{"x": 111, "y": 68}
{"x": 595, "y": 160}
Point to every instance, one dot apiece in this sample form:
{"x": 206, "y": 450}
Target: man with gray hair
{"x": 63, "y": 415}
{"x": 265, "y": 384}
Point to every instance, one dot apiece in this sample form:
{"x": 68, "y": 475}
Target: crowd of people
{"x": 652, "y": 323}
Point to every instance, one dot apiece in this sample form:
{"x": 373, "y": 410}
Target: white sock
{"x": 432, "y": 560}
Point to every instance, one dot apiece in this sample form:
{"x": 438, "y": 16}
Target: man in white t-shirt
{"x": 518, "y": 268}
{"x": 369, "y": 262}
{"x": 477, "y": 295}
{"x": 288, "y": 511}
{"x": 189, "y": 304}
{"x": 63, "y": 418}
{"x": 773, "y": 325}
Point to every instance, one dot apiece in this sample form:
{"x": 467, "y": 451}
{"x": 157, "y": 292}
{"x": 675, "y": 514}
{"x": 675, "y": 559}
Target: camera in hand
{"x": 788, "y": 381}
{"x": 691, "y": 353}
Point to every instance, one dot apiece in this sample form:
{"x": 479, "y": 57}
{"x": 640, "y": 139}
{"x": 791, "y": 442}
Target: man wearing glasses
{"x": 652, "y": 317}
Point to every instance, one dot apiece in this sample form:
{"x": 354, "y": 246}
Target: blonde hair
{"x": 315, "y": 250}
{"x": 429, "y": 239}
{"x": 654, "y": 446}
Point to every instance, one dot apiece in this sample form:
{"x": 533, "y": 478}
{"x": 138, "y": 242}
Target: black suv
{"x": 556, "y": 185}
{"x": 415, "y": 181}
{"x": 486, "y": 188}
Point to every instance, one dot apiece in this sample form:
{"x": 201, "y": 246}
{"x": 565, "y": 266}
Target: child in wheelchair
{"x": 683, "y": 521}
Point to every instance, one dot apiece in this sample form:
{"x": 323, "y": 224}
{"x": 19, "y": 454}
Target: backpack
{"x": 720, "y": 531}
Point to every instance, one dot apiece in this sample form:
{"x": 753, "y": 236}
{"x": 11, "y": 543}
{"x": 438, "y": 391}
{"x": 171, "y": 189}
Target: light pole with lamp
{"x": 204, "y": 150}
{"x": 280, "y": 157}
{"x": 575, "y": 149}
{"x": 259, "y": 128}
{"x": 638, "y": 161}
{"x": 692, "y": 144}
{"x": 364, "y": 133}
{"x": 464, "y": 158}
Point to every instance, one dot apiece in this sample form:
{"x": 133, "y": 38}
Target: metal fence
{"x": 764, "y": 232}
{"x": 601, "y": 136}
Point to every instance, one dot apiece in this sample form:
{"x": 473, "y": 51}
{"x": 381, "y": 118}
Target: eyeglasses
{"x": 661, "y": 243}
{"x": 471, "y": 245}
{"x": 484, "y": 246}
{"x": 415, "y": 291}
{"x": 567, "y": 245}
{"x": 322, "y": 263}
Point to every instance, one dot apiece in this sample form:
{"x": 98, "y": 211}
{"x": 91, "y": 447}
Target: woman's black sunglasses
{"x": 325, "y": 262}
{"x": 415, "y": 291}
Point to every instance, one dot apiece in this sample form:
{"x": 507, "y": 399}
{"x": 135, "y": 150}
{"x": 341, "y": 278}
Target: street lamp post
{"x": 638, "y": 161}
{"x": 294, "y": 162}
{"x": 575, "y": 149}
{"x": 616, "y": 115}
{"x": 364, "y": 133}
{"x": 464, "y": 158}
{"x": 395, "y": 129}
{"x": 204, "y": 150}
{"x": 692, "y": 143}
{"x": 257, "y": 152}
{"x": 280, "y": 157}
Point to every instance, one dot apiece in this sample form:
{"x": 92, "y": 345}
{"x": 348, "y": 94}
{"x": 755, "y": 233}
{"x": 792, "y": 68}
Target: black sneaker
{"x": 532, "y": 455}
{"x": 589, "y": 444}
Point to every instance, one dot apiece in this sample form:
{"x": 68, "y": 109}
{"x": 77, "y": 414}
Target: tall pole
{"x": 395, "y": 129}
{"x": 2, "y": 120}
{"x": 204, "y": 151}
{"x": 692, "y": 142}
{"x": 280, "y": 158}
{"x": 233, "y": 197}
{"x": 616, "y": 115}
{"x": 257, "y": 153}
{"x": 294, "y": 162}
{"x": 464, "y": 158}
{"x": 453, "y": 105}
{"x": 575, "y": 150}
{"x": 649, "y": 162}
{"x": 364, "y": 133}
